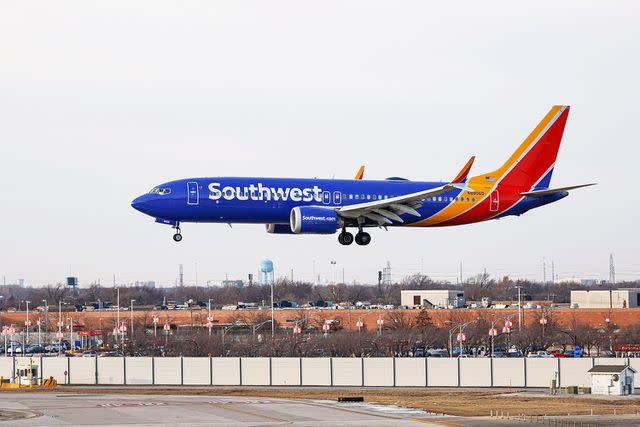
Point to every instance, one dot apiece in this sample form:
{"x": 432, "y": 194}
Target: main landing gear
{"x": 362, "y": 238}
{"x": 177, "y": 237}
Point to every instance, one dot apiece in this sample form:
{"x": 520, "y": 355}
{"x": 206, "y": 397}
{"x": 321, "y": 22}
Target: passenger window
{"x": 350, "y": 196}
{"x": 368, "y": 196}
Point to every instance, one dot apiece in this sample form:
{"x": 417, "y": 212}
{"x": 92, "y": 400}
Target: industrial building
{"x": 433, "y": 298}
{"x": 614, "y": 298}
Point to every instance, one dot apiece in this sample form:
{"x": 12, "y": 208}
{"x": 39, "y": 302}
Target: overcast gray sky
{"x": 100, "y": 101}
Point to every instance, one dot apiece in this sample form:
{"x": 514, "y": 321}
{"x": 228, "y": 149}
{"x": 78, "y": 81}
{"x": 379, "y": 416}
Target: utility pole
{"x": 544, "y": 271}
{"x": 461, "y": 281}
{"x": 553, "y": 272}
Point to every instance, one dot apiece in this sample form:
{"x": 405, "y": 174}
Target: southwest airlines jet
{"x": 325, "y": 206}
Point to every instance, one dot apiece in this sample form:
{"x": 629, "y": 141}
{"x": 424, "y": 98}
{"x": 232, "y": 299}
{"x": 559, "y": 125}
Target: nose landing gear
{"x": 177, "y": 237}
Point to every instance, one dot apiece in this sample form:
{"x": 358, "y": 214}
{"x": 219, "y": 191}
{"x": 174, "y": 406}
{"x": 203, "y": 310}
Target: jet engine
{"x": 314, "y": 220}
{"x": 279, "y": 229}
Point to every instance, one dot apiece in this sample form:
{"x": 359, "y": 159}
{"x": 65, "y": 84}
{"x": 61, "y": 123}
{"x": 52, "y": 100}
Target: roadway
{"x": 59, "y": 409}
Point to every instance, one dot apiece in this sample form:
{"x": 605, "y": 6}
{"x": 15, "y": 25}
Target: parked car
{"x": 34, "y": 349}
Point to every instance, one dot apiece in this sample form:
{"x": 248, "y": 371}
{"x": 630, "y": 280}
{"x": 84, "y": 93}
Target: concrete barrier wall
{"x": 540, "y": 372}
{"x": 411, "y": 372}
{"x": 82, "y": 369}
{"x": 196, "y": 370}
{"x": 509, "y": 372}
{"x": 285, "y": 371}
{"x": 316, "y": 371}
{"x": 167, "y": 370}
{"x": 256, "y": 371}
{"x": 226, "y": 370}
{"x": 378, "y": 371}
{"x": 55, "y": 367}
{"x": 337, "y": 371}
{"x": 442, "y": 372}
{"x": 574, "y": 372}
{"x": 110, "y": 370}
{"x": 139, "y": 370}
{"x": 347, "y": 371}
{"x": 6, "y": 367}
{"x": 475, "y": 372}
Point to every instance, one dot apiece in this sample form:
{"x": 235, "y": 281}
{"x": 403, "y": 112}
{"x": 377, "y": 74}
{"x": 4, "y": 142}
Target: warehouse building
{"x": 439, "y": 298}
{"x": 615, "y": 298}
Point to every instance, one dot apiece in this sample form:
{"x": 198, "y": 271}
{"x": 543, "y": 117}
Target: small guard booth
{"x": 613, "y": 380}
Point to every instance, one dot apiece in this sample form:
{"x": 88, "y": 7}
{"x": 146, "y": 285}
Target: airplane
{"x": 326, "y": 206}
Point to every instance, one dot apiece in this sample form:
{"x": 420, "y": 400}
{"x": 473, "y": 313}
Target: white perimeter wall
{"x": 347, "y": 371}
{"x": 411, "y": 372}
{"x": 574, "y": 371}
{"x": 82, "y": 369}
{"x": 475, "y": 372}
{"x": 322, "y": 371}
{"x": 256, "y": 371}
{"x": 508, "y": 372}
{"x": 540, "y": 371}
{"x": 378, "y": 371}
{"x": 316, "y": 371}
{"x": 285, "y": 371}
{"x": 226, "y": 370}
{"x": 167, "y": 370}
{"x": 196, "y": 370}
{"x": 442, "y": 371}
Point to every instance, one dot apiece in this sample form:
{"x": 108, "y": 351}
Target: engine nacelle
{"x": 314, "y": 220}
{"x": 279, "y": 229}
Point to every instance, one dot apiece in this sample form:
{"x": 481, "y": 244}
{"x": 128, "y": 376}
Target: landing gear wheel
{"x": 363, "y": 238}
{"x": 177, "y": 237}
{"x": 345, "y": 238}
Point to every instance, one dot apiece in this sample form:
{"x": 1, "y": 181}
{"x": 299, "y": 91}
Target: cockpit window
{"x": 161, "y": 191}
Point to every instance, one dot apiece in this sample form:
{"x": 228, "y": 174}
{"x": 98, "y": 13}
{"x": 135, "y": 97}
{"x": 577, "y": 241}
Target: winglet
{"x": 462, "y": 175}
{"x": 360, "y": 173}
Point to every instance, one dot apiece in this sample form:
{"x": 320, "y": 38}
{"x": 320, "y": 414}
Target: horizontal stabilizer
{"x": 546, "y": 192}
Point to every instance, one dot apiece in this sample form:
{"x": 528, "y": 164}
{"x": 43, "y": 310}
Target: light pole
{"x": 519, "y": 309}
{"x": 493, "y": 332}
{"x": 59, "y": 327}
{"x": 132, "y": 301}
{"x": 464, "y": 325}
{"x": 209, "y": 317}
{"x": 118, "y": 313}
{"x": 27, "y": 322}
{"x": 46, "y": 316}
{"x": 273, "y": 314}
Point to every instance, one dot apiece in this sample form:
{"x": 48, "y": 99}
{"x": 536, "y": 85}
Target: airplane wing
{"x": 546, "y": 192}
{"x": 386, "y": 211}
{"x": 360, "y": 173}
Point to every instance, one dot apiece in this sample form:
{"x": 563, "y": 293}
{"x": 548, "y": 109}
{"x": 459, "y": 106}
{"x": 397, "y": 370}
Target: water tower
{"x": 265, "y": 277}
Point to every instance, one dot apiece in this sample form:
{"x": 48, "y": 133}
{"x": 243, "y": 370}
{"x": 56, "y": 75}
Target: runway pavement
{"x": 53, "y": 409}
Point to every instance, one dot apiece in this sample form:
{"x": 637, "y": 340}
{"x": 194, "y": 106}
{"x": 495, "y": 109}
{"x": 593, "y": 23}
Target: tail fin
{"x": 531, "y": 165}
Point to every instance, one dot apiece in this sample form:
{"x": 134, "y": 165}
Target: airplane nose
{"x": 138, "y": 203}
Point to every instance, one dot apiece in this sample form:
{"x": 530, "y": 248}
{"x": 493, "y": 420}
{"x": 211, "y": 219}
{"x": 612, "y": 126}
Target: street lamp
{"x": 132, "y": 301}
{"x": 46, "y": 315}
{"x": 519, "y": 309}
{"x": 493, "y": 332}
{"x": 27, "y": 322}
